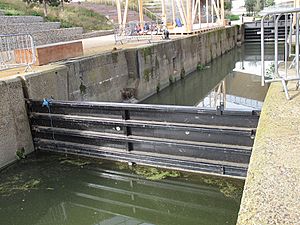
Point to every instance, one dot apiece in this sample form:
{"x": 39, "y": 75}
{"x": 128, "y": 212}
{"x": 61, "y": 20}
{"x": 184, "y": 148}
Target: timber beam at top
{"x": 189, "y": 11}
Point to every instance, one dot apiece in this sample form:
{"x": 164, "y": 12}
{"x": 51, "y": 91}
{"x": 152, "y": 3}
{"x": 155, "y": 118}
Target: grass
{"x": 72, "y": 16}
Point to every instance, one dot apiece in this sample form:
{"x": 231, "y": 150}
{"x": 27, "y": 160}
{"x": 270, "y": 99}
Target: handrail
{"x": 286, "y": 75}
{"x": 128, "y": 32}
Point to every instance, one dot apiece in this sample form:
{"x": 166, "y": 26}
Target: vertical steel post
{"x": 297, "y": 44}
{"x": 291, "y": 34}
{"x": 285, "y": 43}
{"x": 262, "y": 51}
{"x": 276, "y": 43}
{"x": 206, "y": 9}
{"x": 212, "y": 12}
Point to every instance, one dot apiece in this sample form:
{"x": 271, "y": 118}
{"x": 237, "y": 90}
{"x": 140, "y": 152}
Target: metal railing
{"x": 17, "y": 50}
{"x": 275, "y": 73}
{"x": 129, "y": 32}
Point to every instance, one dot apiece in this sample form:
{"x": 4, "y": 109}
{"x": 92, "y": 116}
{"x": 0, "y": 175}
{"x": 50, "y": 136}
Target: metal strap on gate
{"x": 17, "y": 50}
{"x": 275, "y": 73}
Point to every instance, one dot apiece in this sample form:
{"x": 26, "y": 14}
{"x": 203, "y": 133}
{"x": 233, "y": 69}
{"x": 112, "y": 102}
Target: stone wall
{"x": 20, "y": 19}
{"x": 110, "y": 76}
{"x": 57, "y": 35}
{"x": 15, "y": 28}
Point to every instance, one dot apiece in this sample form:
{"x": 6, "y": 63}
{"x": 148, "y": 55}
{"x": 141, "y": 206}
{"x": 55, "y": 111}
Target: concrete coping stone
{"x": 58, "y": 43}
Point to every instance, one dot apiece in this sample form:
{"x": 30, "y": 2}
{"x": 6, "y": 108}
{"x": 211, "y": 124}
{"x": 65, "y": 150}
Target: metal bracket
{"x": 220, "y": 109}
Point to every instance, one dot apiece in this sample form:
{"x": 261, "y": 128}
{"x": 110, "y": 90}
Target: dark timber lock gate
{"x": 175, "y": 137}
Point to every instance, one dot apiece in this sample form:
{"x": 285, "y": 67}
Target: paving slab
{"x": 272, "y": 189}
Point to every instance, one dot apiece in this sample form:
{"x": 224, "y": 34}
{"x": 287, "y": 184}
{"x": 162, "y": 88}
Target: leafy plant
{"x": 200, "y": 67}
{"x": 20, "y": 153}
{"x": 270, "y": 70}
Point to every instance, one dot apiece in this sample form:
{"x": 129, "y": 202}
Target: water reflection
{"x": 232, "y": 79}
{"x": 236, "y": 91}
{"x": 105, "y": 193}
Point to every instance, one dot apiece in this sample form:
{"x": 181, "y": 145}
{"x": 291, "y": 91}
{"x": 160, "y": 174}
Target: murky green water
{"x": 53, "y": 190}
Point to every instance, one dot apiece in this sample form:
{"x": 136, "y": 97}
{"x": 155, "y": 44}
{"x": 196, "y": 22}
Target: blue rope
{"x": 47, "y": 103}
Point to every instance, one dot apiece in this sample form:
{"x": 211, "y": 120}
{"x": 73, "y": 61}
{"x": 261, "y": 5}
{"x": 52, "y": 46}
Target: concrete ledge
{"x": 97, "y": 33}
{"x": 271, "y": 193}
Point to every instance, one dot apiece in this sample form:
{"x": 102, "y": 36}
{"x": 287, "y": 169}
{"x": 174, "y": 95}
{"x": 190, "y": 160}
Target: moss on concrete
{"x": 146, "y": 52}
{"x": 147, "y": 74}
{"x": 82, "y": 89}
{"x": 171, "y": 79}
{"x": 157, "y": 87}
{"x": 182, "y": 73}
{"x": 156, "y": 63}
{"x": 114, "y": 57}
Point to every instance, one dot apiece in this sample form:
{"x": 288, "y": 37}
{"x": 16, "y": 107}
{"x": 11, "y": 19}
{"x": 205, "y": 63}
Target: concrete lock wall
{"x": 159, "y": 65}
{"x": 14, "y": 126}
{"x": 112, "y": 76}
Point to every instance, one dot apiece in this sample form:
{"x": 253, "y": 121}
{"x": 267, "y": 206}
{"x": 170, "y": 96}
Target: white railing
{"x": 286, "y": 73}
{"x": 17, "y": 50}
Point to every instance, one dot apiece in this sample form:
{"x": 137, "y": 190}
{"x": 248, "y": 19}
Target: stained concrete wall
{"x": 145, "y": 70}
{"x": 160, "y": 64}
{"x": 106, "y": 77}
{"x": 14, "y": 127}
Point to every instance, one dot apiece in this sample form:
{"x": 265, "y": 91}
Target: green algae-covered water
{"x": 55, "y": 190}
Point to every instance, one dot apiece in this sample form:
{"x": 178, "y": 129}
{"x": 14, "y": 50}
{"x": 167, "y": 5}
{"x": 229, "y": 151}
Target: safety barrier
{"x": 131, "y": 32}
{"x": 17, "y": 50}
{"x": 274, "y": 73}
